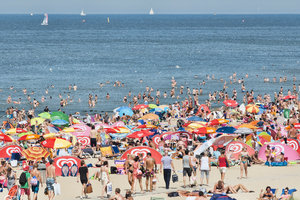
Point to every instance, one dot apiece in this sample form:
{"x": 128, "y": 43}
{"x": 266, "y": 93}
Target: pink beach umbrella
{"x": 288, "y": 151}
{"x": 81, "y": 130}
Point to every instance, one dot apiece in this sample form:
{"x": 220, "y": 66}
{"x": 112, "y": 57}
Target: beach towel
{"x": 221, "y": 197}
{"x": 106, "y": 151}
{"x": 65, "y": 170}
{"x": 74, "y": 170}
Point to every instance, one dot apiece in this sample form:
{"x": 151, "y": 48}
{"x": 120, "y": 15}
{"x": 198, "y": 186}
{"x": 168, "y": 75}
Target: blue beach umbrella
{"x": 59, "y": 122}
{"x": 226, "y": 129}
{"x": 125, "y": 112}
{"x": 195, "y": 118}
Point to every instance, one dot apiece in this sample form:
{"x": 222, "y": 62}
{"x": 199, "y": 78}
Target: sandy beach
{"x": 260, "y": 176}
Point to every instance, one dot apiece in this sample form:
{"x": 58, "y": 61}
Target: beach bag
{"x": 113, "y": 170}
{"x": 56, "y": 187}
{"x": 173, "y": 194}
{"x": 88, "y": 189}
{"x": 65, "y": 170}
{"x": 23, "y": 179}
{"x": 34, "y": 181}
{"x": 174, "y": 178}
{"x": 46, "y": 191}
{"x": 74, "y": 170}
{"x": 109, "y": 188}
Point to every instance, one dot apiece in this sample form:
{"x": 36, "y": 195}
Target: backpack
{"x": 174, "y": 178}
{"x": 34, "y": 181}
{"x": 23, "y": 179}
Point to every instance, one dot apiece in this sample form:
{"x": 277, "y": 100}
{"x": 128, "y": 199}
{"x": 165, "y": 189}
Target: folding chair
{"x": 291, "y": 192}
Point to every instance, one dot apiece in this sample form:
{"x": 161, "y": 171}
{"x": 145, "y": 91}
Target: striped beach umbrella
{"x": 29, "y": 137}
{"x": 204, "y": 130}
{"x": 35, "y": 153}
{"x": 56, "y": 143}
{"x": 5, "y": 138}
{"x": 251, "y": 108}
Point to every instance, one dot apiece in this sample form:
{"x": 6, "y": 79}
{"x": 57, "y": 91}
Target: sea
{"x": 88, "y": 50}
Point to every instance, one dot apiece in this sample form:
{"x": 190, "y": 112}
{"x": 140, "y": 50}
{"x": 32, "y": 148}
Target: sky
{"x": 143, "y": 6}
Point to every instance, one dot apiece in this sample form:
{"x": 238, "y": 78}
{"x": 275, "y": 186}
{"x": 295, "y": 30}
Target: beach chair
{"x": 291, "y": 192}
{"x": 274, "y": 191}
{"x": 116, "y": 151}
{"x": 88, "y": 152}
{"x": 106, "y": 151}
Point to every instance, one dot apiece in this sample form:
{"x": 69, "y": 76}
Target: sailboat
{"x": 82, "y": 13}
{"x": 45, "y": 21}
{"x": 151, "y": 12}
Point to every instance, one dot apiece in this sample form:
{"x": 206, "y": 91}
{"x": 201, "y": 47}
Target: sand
{"x": 259, "y": 178}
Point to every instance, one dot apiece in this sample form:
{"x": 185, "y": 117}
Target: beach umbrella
{"x": 6, "y": 138}
{"x": 150, "y": 116}
{"x": 145, "y": 126}
{"x": 288, "y": 151}
{"x": 289, "y": 97}
{"x": 140, "y": 134}
{"x": 35, "y": 153}
{"x": 59, "y": 115}
{"x": 223, "y": 139}
{"x": 52, "y": 129}
{"x": 143, "y": 150}
{"x": 202, "y": 148}
{"x": 251, "y": 108}
{"x": 5, "y": 152}
{"x": 164, "y": 107}
{"x": 230, "y": 103}
{"x": 49, "y": 135}
{"x": 292, "y": 143}
{"x": 140, "y": 106}
{"x": 29, "y": 137}
{"x": 152, "y": 106}
{"x": 196, "y": 125}
{"x": 204, "y": 130}
{"x": 218, "y": 122}
{"x": 121, "y": 129}
{"x": 226, "y": 129}
{"x": 27, "y": 133}
{"x": 37, "y": 121}
{"x": 195, "y": 118}
{"x": 15, "y": 130}
{"x": 59, "y": 122}
{"x": 23, "y": 122}
{"x": 45, "y": 115}
{"x": 235, "y": 148}
{"x": 125, "y": 111}
{"x": 243, "y": 131}
{"x": 248, "y": 126}
{"x": 69, "y": 130}
{"x": 56, "y": 143}
{"x": 297, "y": 125}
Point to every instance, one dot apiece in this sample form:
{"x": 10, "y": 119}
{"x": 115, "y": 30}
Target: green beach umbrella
{"x": 27, "y": 133}
{"x": 59, "y": 115}
{"x": 152, "y": 106}
{"x": 45, "y": 115}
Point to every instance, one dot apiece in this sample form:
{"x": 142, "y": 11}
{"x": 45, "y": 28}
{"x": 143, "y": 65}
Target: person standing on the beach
{"x": 150, "y": 166}
{"x": 222, "y": 164}
{"x": 25, "y": 187}
{"x": 244, "y": 162}
{"x": 104, "y": 177}
{"x": 93, "y": 137}
{"x": 205, "y": 167}
{"x": 35, "y": 181}
{"x": 83, "y": 174}
{"x": 187, "y": 167}
{"x": 167, "y": 165}
{"x": 50, "y": 179}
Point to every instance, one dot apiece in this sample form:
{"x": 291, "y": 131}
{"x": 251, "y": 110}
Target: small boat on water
{"x": 108, "y": 20}
{"x": 31, "y": 14}
{"x": 45, "y": 21}
{"x": 151, "y": 12}
{"x": 82, "y": 13}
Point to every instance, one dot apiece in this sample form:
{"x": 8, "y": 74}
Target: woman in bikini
{"x": 244, "y": 162}
{"x": 267, "y": 195}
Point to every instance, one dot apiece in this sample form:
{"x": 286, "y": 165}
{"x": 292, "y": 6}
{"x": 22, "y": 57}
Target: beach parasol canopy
{"x": 27, "y": 133}
{"x": 145, "y": 126}
{"x": 236, "y": 148}
{"x": 152, "y": 106}
{"x": 288, "y": 151}
{"x": 35, "y": 153}
{"x": 289, "y": 97}
{"x": 226, "y": 129}
{"x": 292, "y": 143}
{"x": 15, "y": 130}
{"x": 29, "y": 137}
{"x": 223, "y": 139}
{"x": 140, "y": 106}
{"x": 125, "y": 111}
{"x": 150, "y": 116}
{"x": 204, "y": 130}
{"x": 140, "y": 134}
{"x": 59, "y": 115}
{"x": 248, "y": 126}
{"x": 243, "y": 131}
{"x": 195, "y": 119}
{"x": 230, "y": 103}
{"x": 143, "y": 150}
{"x": 37, "y": 121}
{"x": 6, "y": 138}
{"x": 216, "y": 122}
{"x": 59, "y": 122}
{"x": 45, "y": 115}
{"x": 56, "y": 143}
{"x": 251, "y": 108}
{"x": 5, "y": 152}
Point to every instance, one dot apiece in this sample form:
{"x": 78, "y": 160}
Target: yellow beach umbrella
{"x": 150, "y": 116}
{"x": 251, "y": 108}
{"x": 37, "y": 121}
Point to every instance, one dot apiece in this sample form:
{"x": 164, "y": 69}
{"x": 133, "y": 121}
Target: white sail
{"x": 31, "y": 14}
{"x": 151, "y": 12}
{"x": 82, "y": 13}
{"x": 45, "y": 21}
{"x": 108, "y": 20}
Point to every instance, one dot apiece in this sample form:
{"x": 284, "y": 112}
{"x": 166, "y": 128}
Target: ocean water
{"x": 134, "y": 47}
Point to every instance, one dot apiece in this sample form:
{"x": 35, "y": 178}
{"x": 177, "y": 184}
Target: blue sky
{"x": 143, "y": 6}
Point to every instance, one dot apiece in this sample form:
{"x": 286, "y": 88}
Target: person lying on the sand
{"x": 192, "y": 195}
{"x": 220, "y": 188}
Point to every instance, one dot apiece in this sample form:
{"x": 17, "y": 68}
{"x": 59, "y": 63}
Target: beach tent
{"x": 58, "y": 162}
{"x": 288, "y": 151}
{"x": 5, "y": 152}
{"x": 136, "y": 151}
{"x": 292, "y": 143}
{"x": 236, "y": 148}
